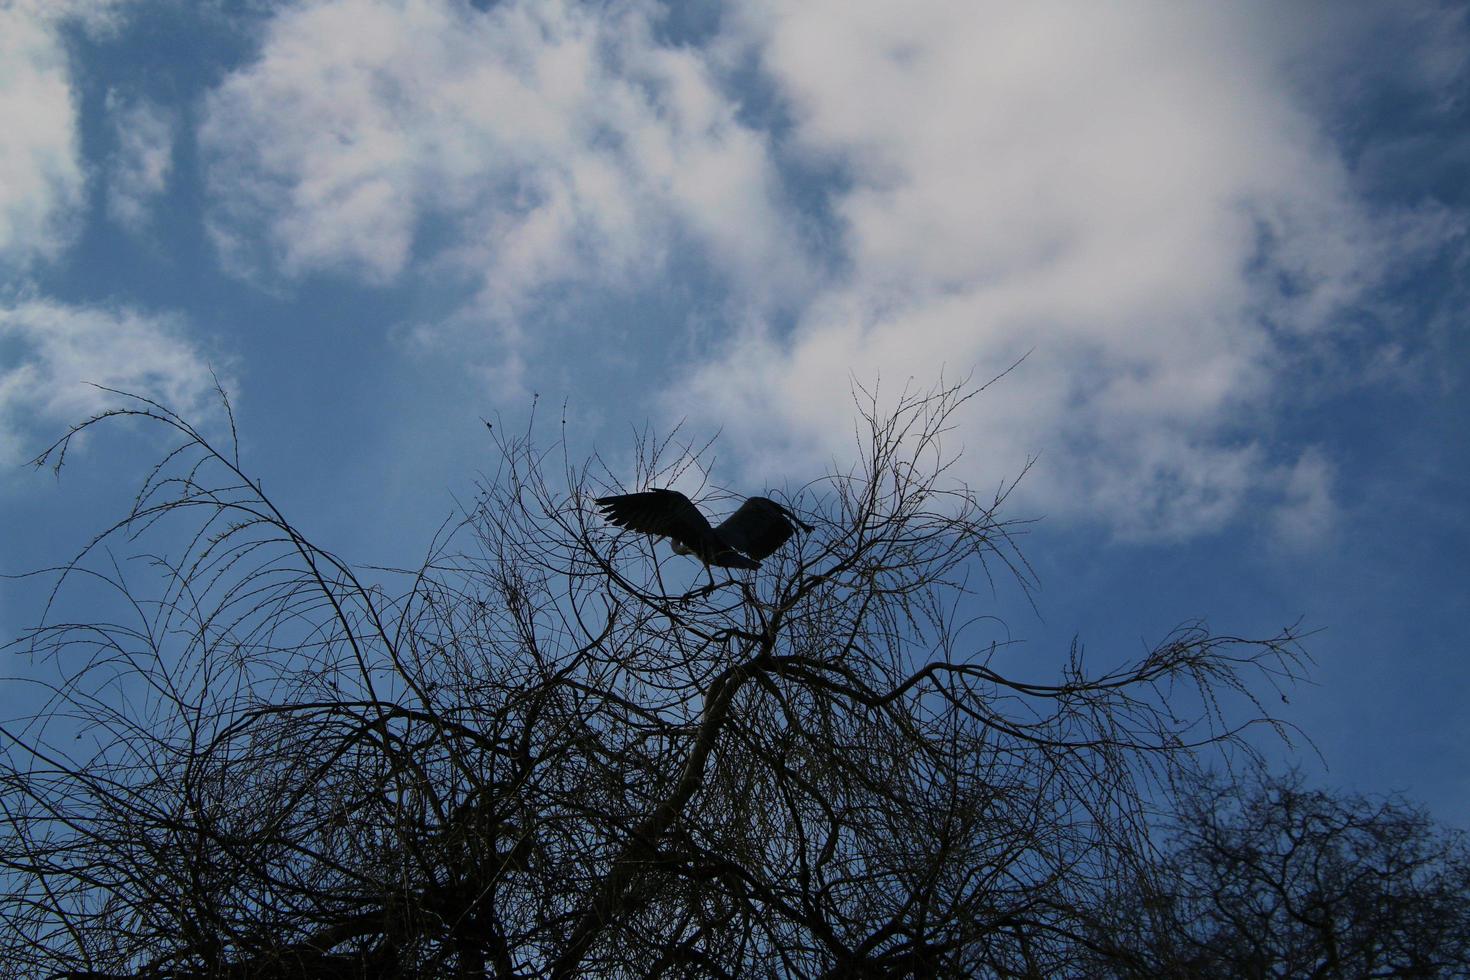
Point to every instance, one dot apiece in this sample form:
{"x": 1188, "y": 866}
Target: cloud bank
{"x": 1132, "y": 193}
{"x": 1142, "y": 196}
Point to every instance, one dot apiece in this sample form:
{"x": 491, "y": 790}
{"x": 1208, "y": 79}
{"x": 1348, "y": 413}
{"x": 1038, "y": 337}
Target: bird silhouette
{"x": 753, "y": 532}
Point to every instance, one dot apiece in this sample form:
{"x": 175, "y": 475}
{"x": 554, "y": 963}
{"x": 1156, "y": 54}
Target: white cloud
{"x": 55, "y": 354}
{"x": 49, "y": 351}
{"x": 41, "y": 176}
{"x": 1131, "y": 191}
{"x": 527, "y": 145}
{"x": 1145, "y": 195}
{"x": 139, "y": 169}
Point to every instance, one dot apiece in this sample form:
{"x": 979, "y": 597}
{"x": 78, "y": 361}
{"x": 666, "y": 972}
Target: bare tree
{"x": 1272, "y": 879}
{"x": 540, "y": 754}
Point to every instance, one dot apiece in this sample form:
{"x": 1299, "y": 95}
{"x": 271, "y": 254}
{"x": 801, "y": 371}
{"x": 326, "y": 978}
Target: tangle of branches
{"x": 554, "y": 751}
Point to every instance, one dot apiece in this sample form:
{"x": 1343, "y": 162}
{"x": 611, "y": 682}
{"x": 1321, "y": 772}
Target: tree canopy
{"x": 552, "y": 750}
{"x": 1275, "y": 879}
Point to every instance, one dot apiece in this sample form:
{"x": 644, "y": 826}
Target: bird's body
{"x": 750, "y": 534}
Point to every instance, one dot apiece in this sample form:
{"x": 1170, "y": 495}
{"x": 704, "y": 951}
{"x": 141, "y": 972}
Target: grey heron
{"x": 753, "y": 532}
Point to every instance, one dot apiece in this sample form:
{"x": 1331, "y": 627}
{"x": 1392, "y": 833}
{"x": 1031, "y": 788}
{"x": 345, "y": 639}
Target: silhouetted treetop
{"x": 556, "y": 749}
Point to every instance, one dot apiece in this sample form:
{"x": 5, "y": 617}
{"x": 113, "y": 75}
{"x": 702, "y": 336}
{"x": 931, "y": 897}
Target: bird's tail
{"x": 730, "y": 558}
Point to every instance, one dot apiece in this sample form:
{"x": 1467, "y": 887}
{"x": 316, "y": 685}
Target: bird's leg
{"x": 707, "y": 590}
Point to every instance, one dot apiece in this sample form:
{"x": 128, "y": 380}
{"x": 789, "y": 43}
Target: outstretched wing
{"x": 759, "y": 527}
{"x": 665, "y": 512}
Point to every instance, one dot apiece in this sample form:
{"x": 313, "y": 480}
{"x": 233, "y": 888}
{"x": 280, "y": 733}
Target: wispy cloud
{"x": 1307, "y": 513}
{"x": 139, "y": 169}
{"x": 41, "y": 176}
{"x": 56, "y": 353}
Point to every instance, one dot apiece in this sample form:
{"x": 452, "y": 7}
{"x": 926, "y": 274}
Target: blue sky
{"x": 1232, "y": 238}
